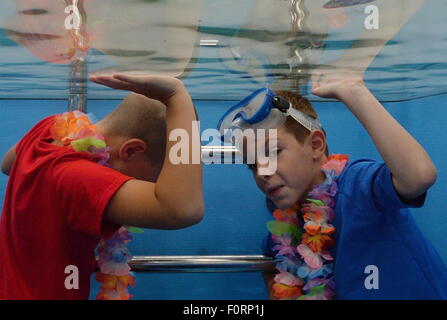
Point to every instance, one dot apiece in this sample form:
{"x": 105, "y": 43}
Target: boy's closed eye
{"x": 275, "y": 152}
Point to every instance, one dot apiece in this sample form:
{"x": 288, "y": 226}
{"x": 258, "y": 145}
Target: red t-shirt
{"x": 52, "y": 218}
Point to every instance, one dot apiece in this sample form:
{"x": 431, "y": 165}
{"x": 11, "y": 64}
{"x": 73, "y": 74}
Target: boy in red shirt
{"x": 59, "y": 202}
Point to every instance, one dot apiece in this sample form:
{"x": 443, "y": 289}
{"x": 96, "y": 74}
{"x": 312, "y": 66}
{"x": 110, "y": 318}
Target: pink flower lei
{"x": 75, "y": 129}
{"x": 302, "y": 241}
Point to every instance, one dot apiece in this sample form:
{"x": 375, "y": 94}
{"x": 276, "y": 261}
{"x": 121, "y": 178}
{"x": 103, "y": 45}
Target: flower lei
{"x": 75, "y": 129}
{"x": 301, "y": 246}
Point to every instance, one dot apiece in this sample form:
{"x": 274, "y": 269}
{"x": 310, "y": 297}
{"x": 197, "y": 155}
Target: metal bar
{"x": 227, "y": 263}
{"x": 78, "y": 76}
{"x": 77, "y": 88}
{"x": 221, "y": 155}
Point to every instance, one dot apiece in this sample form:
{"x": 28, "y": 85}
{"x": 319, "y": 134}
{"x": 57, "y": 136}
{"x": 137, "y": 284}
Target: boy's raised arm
{"x": 412, "y": 170}
{"x": 176, "y": 199}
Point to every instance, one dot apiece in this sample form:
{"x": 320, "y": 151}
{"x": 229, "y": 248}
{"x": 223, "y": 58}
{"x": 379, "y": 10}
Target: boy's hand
{"x": 152, "y": 86}
{"x": 336, "y": 84}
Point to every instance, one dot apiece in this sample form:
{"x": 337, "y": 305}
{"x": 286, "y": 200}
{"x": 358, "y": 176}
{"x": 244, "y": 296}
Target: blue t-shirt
{"x": 375, "y": 228}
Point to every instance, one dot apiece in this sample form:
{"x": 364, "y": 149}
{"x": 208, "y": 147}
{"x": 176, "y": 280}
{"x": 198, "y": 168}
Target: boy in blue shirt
{"x": 342, "y": 227}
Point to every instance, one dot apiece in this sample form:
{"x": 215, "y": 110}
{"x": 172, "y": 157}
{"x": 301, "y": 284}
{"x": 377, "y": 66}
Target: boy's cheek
{"x": 260, "y": 185}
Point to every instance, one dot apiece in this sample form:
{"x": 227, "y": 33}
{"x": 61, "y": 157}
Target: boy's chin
{"x": 284, "y": 203}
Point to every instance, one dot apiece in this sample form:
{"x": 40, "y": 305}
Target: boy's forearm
{"x": 412, "y": 169}
{"x": 182, "y": 182}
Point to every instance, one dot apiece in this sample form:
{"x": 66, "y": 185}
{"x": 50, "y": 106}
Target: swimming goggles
{"x": 263, "y": 109}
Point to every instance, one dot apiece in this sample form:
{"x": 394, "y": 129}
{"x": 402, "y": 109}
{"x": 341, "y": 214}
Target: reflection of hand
{"x": 154, "y": 87}
{"x": 335, "y": 83}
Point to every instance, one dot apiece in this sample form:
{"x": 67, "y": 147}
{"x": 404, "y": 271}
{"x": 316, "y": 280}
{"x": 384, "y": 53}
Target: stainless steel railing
{"x": 224, "y": 263}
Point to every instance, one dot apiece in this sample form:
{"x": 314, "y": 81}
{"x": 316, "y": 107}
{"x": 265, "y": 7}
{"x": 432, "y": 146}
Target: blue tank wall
{"x": 235, "y": 211}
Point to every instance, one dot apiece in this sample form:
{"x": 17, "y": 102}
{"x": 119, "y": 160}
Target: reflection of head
{"x": 302, "y": 104}
{"x": 46, "y": 28}
{"x": 139, "y": 117}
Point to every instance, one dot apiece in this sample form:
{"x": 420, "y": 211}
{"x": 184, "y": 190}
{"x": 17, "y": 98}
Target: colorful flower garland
{"x": 75, "y": 129}
{"x": 301, "y": 246}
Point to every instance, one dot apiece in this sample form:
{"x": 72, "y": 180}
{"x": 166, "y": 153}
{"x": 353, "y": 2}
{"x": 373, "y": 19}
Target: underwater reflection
{"x": 283, "y": 43}
{"x": 157, "y": 36}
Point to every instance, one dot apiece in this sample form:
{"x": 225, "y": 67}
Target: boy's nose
{"x": 263, "y": 173}
{"x": 265, "y": 170}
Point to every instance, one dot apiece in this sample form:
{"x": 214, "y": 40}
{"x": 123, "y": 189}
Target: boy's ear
{"x": 132, "y": 148}
{"x": 318, "y": 141}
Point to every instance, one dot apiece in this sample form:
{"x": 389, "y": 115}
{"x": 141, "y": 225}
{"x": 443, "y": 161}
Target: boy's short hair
{"x": 140, "y": 117}
{"x": 302, "y": 104}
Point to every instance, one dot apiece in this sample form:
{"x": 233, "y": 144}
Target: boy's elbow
{"x": 196, "y": 213}
{"x": 5, "y": 169}
{"x": 196, "y": 216}
{"x": 191, "y": 214}
{"x": 199, "y": 211}
{"x": 427, "y": 177}
{"x": 424, "y": 179}
{"x": 420, "y": 181}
